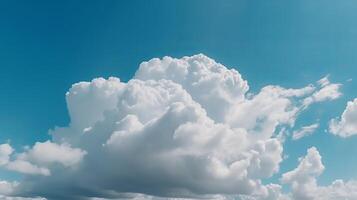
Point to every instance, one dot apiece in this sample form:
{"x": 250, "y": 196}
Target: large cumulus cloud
{"x": 180, "y": 128}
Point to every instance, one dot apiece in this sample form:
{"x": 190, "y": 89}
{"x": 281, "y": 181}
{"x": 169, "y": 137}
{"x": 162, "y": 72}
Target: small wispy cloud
{"x": 304, "y": 131}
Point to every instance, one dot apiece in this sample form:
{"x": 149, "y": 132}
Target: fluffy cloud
{"x": 303, "y": 181}
{"x": 46, "y": 153}
{"x": 273, "y": 106}
{"x": 208, "y": 82}
{"x": 6, "y": 187}
{"x": 5, "y": 152}
{"x": 180, "y": 128}
{"x": 26, "y": 167}
{"x": 338, "y": 190}
{"x": 327, "y": 91}
{"x": 346, "y": 126}
{"x": 35, "y": 161}
{"x": 305, "y": 131}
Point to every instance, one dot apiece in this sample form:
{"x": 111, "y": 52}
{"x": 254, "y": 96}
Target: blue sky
{"x": 47, "y": 46}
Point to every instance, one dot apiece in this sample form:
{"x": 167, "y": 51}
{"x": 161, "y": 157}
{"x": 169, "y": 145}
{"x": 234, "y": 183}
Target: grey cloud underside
{"x": 180, "y": 128}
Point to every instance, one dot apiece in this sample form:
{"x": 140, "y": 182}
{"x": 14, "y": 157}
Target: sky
{"x": 46, "y": 47}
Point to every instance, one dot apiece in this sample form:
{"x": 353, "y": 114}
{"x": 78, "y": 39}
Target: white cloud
{"x": 180, "y": 128}
{"x": 324, "y": 81}
{"x": 26, "y": 167}
{"x": 38, "y": 159}
{"x": 46, "y": 153}
{"x": 5, "y": 152}
{"x": 20, "y": 198}
{"x": 18, "y": 165}
{"x": 303, "y": 181}
{"x": 327, "y": 91}
{"x": 273, "y": 106}
{"x": 100, "y": 95}
{"x": 346, "y": 126}
{"x": 338, "y": 190}
{"x": 305, "y": 131}
{"x": 6, "y": 187}
{"x": 209, "y": 83}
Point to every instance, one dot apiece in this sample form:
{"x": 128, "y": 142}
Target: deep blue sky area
{"x": 45, "y": 46}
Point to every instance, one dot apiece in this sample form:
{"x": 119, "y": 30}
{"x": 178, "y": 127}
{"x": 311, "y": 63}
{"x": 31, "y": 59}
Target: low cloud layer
{"x": 180, "y": 128}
